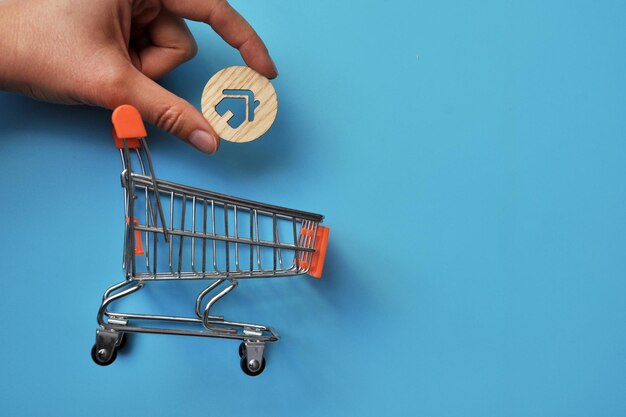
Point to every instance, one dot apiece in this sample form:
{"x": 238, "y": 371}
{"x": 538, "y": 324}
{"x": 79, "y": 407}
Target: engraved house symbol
{"x": 237, "y": 107}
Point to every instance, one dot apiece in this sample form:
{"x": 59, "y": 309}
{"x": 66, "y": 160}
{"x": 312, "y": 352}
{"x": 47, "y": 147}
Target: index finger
{"x": 231, "y": 26}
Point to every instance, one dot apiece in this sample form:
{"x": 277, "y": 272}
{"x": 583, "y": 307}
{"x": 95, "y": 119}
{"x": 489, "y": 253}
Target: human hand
{"x": 109, "y": 52}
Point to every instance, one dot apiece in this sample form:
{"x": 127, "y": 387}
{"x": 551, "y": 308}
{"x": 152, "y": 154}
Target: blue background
{"x": 469, "y": 158}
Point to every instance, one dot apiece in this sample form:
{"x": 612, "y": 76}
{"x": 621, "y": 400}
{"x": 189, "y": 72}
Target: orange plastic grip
{"x": 319, "y": 256}
{"x": 131, "y": 143}
{"x": 138, "y": 245}
{"x": 127, "y": 124}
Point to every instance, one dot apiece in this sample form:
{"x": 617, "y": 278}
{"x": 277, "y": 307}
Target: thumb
{"x": 170, "y": 113}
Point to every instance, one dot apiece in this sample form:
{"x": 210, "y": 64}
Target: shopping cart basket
{"x": 176, "y": 232}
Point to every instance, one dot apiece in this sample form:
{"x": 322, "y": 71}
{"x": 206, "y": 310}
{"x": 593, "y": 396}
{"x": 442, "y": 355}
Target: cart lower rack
{"x": 176, "y": 232}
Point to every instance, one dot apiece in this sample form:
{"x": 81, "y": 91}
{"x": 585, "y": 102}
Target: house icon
{"x": 239, "y": 103}
{"x": 237, "y": 107}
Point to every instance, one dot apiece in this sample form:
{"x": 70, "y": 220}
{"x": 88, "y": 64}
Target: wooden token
{"x": 239, "y": 103}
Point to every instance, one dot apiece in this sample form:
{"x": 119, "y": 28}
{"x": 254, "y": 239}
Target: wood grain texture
{"x": 240, "y": 78}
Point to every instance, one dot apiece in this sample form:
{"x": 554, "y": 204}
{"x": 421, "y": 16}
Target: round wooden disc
{"x": 239, "y": 103}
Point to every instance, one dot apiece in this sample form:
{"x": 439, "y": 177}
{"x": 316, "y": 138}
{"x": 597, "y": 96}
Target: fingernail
{"x": 275, "y": 69}
{"x": 203, "y": 141}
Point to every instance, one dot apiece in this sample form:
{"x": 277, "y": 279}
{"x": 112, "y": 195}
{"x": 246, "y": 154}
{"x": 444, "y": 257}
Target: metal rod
{"x": 193, "y": 230}
{"x": 182, "y": 228}
{"x": 284, "y": 212}
{"x": 144, "y": 145}
{"x": 226, "y": 244}
{"x": 204, "y": 239}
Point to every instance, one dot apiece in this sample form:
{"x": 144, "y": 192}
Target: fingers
{"x": 168, "y": 111}
{"x": 231, "y": 26}
{"x": 171, "y": 44}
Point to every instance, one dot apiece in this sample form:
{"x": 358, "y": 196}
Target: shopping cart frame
{"x": 308, "y": 250}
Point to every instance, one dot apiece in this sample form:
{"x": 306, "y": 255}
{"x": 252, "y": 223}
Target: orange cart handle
{"x": 138, "y": 244}
{"x": 127, "y": 125}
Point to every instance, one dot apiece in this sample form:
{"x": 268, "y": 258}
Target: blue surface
{"x": 470, "y": 161}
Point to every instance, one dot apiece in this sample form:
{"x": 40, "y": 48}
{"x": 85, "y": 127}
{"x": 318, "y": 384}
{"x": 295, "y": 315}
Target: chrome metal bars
{"x": 209, "y": 235}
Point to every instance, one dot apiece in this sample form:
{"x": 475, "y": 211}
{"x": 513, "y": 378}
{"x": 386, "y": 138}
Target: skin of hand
{"x": 109, "y": 52}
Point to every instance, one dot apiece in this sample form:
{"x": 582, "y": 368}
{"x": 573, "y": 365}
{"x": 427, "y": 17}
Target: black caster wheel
{"x": 97, "y": 357}
{"x": 252, "y": 368}
{"x": 242, "y": 349}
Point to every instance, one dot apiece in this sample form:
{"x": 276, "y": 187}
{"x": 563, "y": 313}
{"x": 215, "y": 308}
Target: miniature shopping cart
{"x": 175, "y": 232}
